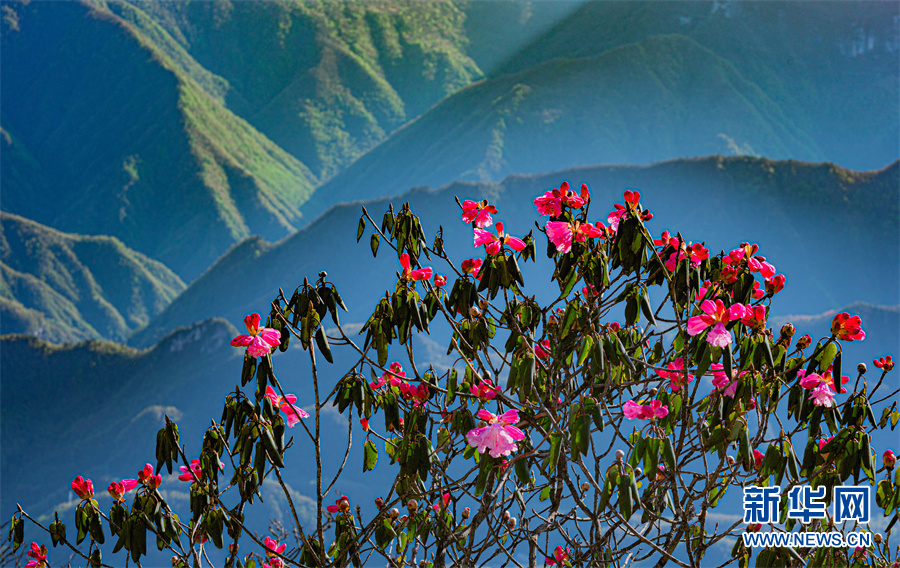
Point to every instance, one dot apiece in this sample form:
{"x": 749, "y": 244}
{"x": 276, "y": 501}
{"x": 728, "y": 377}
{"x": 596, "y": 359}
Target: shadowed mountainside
{"x": 67, "y": 288}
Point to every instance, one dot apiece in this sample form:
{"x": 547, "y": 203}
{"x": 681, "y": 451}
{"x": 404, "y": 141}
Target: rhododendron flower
{"x": 758, "y": 459}
{"x": 409, "y": 274}
{"x": 440, "y": 280}
{"x": 814, "y": 380}
{"x": 695, "y": 253}
{"x": 260, "y": 339}
{"x": 478, "y": 213}
{"x": 666, "y": 240}
{"x": 364, "y": 422}
{"x": 755, "y": 317}
{"x": 722, "y": 381}
{"x": 147, "y": 479}
{"x": 552, "y": 201}
{"x": 822, "y": 396}
{"x": 614, "y": 326}
{"x": 118, "y": 489}
{"x": 485, "y": 390}
{"x": 775, "y": 284}
{"x": 418, "y": 394}
{"x": 847, "y": 327}
{"x": 634, "y": 410}
{"x": 822, "y": 441}
{"x": 272, "y": 547}
{"x": 38, "y": 555}
{"x": 494, "y": 243}
{"x": 191, "y": 473}
{"x": 499, "y": 436}
{"x": 395, "y": 375}
{"x": 888, "y": 459}
{"x": 560, "y": 555}
{"x": 715, "y": 315}
{"x": 676, "y": 377}
{"x": 561, "y": 233}
{"x": 754, "y": 263}
{"x": 542, "y": 349}
{"x": 82, "y": 487}
{"x": 884, "y": 363}
{"x": 757, "y": 291}
{"x": 342, "y": 505}
{"x": 632, "y": 198}
{"x": 443, "y": 503}
{"x": 286, "y": 404}
{"x": 471, "y": 266}
{"x": 589, "y": 290}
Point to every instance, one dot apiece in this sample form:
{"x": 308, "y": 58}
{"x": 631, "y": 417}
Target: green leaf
{"x": 826, "y": 357}
{"x": 361, "y": 228}
{"x": 370, "y": 457}
{"x": 555, "y": 446}
{"x": 323, "y": 345}
{"x": 669, "y": 454}
{"x": 373, "y": 244}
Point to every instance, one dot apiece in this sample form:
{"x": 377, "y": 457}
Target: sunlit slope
{"x": 832, "y": 66}
{"x": 827, "y": 228}
{"x": 662, "y": 98}
{"x": 324, "y": 80}
{"x": 105, "y": 134}
{"x": 66, "y": 288}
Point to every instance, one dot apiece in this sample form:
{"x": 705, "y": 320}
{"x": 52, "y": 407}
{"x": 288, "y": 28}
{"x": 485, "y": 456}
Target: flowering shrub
{"x": 573, "y": 439}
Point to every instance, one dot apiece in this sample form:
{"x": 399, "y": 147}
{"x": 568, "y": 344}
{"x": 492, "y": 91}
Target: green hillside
{"x": 104, "y": 133}
{"x": 67, "y": 288}
{"x": 326, "y": 81}
{"x": 789, "y": 208}
{"x": 832, "y": 66}
{"x": 664, "y": 97}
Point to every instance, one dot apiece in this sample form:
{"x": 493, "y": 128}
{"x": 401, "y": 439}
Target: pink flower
{"x": 722, "y": 381}
{"x": 364, "y": 422}
{"x": 666, "y": 240}
{"x": 82, "y": 487}
{"x": 561, "y": 233}
{"x": 418, "y": 394}
{"x": 757, "y": 292}
{"x": 395, "y": 374}
{"x": 634, "y": 410}
{"x": 632, "y": 198}
{"x": 192, "y": 473}
{"x": 542, "y": 349}
{"x": 715, "y": 315}
{"x": 814, "y": 381}
{"x": 754, "y": 263}
{"x": 494, "y": 243}
{"x": 552, "y": 201}
{"x": 443, "y": 503}
{"x": 499, "y": 436}
{"x": 485, "y": 390}
{"x": 560, "y": 555}
{"x": 260, "y": 339}
{"x": 440, "y": 280}
{"x": 884, "y": 363}
{"x": 888, "y": 459}
{"x": 471, "y": 266}
{"x": 286, "y": 404}
{"x": 272, "y": 547}
{"x": 39, "y": 556}
{"x": 775, "y": 284}
{"x": 478, "y": 213}
{"x": 408, "y": 274}
{"x": 758, "y": 459}
{"x": 342, "y": 505}
{"x": 147, "y": 479}
{"x": 118, "y": 489}
{"x": 822, "y": 441}
{"x": 755, "y": 317}
{"x": 847, "y": 327}
{"x": 822, "y": 396}
{"x": 695, "y": 252}
{"x": 677, "y": 377}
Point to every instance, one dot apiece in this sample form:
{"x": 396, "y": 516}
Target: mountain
{"x": 66, "y": 288}
{"x": 831, "y": 66}
{"x": 819, "y": 224}
{"x": 325, "y": 81}
{"x": 104, "y": 133}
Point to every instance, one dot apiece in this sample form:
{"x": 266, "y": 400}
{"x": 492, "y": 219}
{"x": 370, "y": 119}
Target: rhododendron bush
{"x": 608, "y": 425}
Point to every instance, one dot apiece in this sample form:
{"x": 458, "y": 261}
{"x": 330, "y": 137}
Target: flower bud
{"x": 889, "y": 459}
{"x": 402, "y": 520}
{"x": 174, "y": 560}
{"x": 465, "y": 513}
{"x": 482, "y": 424}
{"x": 394, "y": 513}
{"x": 620, "y": 454}
{"x": 474, "y": 312}
{"x": 730, "y": 460}
{"x": 754, "y": 528}
{"x": 585, "y": 486}
{"x": 653, "y": 391}
{"x": 423, "y": 564}
{"x": 379, "y": 502}
{"x": 861, "y": 369}
{"x": 233, "y": 548}
{"x": 787, "y": 332}
{"x": 412, "y": 505}
{"x": 511, "y": 523}
{"x": 804, "y": 342}
{"x": 638, "y": 472}
{"x": 878, "y": 538}
{"x": 505, "y": 515}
